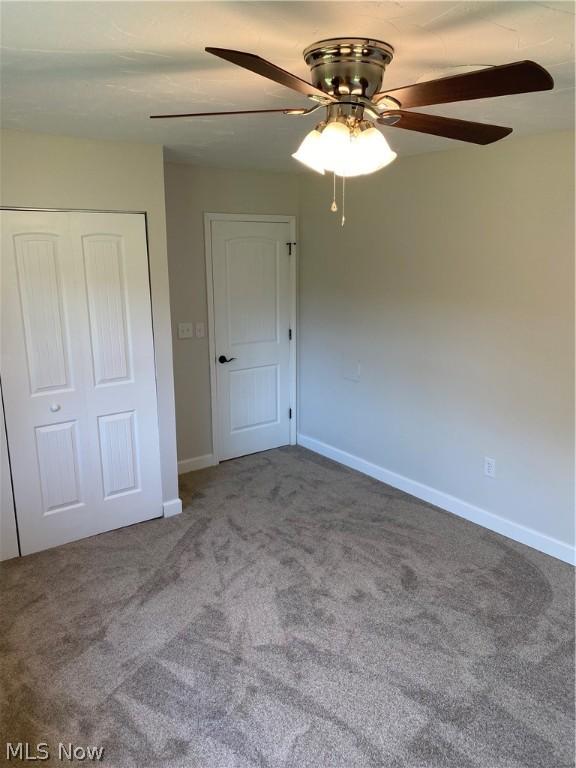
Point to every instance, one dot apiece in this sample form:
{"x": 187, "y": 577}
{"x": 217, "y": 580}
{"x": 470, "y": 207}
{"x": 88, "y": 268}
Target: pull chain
{"x": 343, "y": 200}
{"x": 334, "y": 207}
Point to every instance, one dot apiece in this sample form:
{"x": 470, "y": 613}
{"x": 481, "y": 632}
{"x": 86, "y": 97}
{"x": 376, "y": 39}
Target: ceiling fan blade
{"x": 286, "y": 111}
{"x": 271, "y": 71}
{"x": 463, "y": 130}
{"x": 504, "y": 80}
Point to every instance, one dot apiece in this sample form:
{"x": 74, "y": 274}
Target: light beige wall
{"x": 191, "y": 192}
{"x": 452, "y": 284}
{"x": 42, "y": 171}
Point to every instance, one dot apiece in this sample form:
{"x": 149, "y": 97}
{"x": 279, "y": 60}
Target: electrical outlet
{"x": 489, "y": 467}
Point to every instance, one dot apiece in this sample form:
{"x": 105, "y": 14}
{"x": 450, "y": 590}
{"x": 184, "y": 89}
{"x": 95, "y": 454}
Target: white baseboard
{"x": 198, "y": 462}
{"x": 502, "y": 525}
{"x": 173, "y": 507}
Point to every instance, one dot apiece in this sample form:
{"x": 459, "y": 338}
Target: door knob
{"x": 55, "y": 407}
{"x": 224, "y": 359}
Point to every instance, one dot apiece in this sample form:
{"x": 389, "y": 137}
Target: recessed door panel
{"x": 252, "y": 282}
{"x": 57, "y": 447}
{"x": 105, "y": 283}
{"x": 42, "y": 316}
{"x": 253, "y": 397}
{"x": 118, "y": 453}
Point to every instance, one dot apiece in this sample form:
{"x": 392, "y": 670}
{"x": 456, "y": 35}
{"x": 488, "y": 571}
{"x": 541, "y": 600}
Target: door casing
{"x": 249, "y": 217}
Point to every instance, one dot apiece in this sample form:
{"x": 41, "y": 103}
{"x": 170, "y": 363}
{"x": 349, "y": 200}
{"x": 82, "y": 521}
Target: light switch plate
{"x": 185, "y": 330}
{"x": 200, "y": 331}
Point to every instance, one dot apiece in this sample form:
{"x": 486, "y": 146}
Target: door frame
{"x": 249, "y": 217}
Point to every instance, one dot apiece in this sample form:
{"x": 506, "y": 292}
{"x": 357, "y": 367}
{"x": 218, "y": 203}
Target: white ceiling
{"x": 98, "y": 69}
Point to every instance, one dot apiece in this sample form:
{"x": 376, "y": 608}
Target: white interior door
{"x": 252, "y": 309}
{"x": 78, "y": 374}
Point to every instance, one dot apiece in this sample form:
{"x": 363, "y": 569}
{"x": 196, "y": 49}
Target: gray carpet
{"x": 297, "y": 615}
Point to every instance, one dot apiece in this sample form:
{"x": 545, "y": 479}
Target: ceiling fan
{"x": 347, "y": 76}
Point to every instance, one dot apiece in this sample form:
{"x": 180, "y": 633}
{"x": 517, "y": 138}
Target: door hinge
{"x": 290, "y": 334}
{"x": 290, "y": 248}
{"x": 289, "y": 413}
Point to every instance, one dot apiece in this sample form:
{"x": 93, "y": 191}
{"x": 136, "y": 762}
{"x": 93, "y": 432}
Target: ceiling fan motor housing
{"x": 348, "y": 66}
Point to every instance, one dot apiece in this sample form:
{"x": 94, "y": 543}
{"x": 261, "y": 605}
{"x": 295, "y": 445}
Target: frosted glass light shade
{"x": 352, "y": 162}
{"x": 309, "y": 152}
{"x": 346, "y": 153}
{"x": 335, "y": 144}
{"x": 373, "y": 150}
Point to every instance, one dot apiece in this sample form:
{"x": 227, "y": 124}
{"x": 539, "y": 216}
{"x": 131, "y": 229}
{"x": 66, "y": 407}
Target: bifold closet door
{"x": 78, "y": 374}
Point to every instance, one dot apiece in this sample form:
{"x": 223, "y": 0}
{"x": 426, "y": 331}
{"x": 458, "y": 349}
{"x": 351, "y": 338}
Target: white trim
{"x": 173, "y": 507}
{"x": 198, "y": 462}
{"x": 208, "y": 219}
{"x": 291, "y": 220}
{"x": 459, "y": 507}
{"x": 294, "y": 327}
